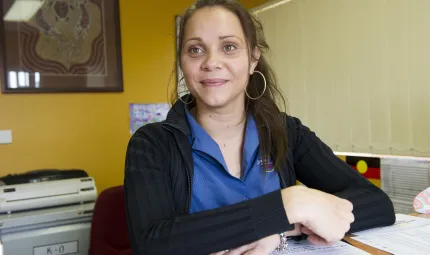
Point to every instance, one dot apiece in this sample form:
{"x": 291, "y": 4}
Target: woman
{"x": 218, "y": 175}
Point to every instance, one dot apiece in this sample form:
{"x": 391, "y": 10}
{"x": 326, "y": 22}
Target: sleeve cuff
{"x": 268, "y": 215}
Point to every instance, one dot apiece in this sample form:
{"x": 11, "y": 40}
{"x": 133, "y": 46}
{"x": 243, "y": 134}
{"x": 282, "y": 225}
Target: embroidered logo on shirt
{"x": 266, "y": 161}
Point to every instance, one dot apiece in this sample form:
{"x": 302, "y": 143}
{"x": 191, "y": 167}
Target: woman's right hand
{"x": 327, "y": 216}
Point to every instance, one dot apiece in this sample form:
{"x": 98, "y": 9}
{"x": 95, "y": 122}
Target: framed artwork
{"x": 178, "y": 20}
{"x": 182, "y": 88}
{"x": 142, "y": 114}
{"x": 60, "y": 46}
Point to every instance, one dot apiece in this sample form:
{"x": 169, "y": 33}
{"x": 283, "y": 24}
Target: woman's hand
{"x": 261, "y": 247}
{"x": 325, "y": 215}
{"x": 313, "y": 238}
{"x": 296, "y": 231}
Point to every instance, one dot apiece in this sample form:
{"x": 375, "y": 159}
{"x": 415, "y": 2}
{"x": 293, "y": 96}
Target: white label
{"x": 57, "y": 249}
{"x": 5, "y": 136}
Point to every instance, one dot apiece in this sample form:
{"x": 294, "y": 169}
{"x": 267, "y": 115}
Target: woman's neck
{"x": 221, "y": 124}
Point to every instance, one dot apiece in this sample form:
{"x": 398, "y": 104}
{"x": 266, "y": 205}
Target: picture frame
{"x": 179, "y": 74}
{"x": 180, "y": 82}
{"x": 66, "y": 46}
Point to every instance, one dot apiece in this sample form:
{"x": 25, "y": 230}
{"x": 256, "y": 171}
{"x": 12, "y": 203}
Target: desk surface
{"x": 365, "y": 247}
{"x": 372, "y": 250}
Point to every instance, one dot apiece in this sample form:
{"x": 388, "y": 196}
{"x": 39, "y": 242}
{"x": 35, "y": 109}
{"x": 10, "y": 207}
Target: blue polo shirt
{"x": 213, "y": 186}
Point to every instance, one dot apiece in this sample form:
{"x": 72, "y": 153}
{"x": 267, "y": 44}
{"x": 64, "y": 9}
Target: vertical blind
{"x": 357, "y": 72}
{"x": 402, "y": 180}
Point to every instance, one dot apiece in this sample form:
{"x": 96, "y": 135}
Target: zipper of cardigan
{"x": 281, "y": 179}
{"x": 190, "y": 188}
{"x": 190, "y": 181}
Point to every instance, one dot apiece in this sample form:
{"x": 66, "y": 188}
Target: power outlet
{"x": 5, "y": 136}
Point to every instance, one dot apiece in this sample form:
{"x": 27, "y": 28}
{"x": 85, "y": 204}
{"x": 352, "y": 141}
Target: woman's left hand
{"x": 314, "y": 238}
{"x": 261, "y": 247}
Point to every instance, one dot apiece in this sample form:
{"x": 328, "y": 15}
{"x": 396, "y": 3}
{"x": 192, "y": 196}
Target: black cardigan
{"x": 158, "y": 181}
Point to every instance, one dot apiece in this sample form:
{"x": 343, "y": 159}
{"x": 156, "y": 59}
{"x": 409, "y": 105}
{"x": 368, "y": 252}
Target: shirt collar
{"x": 251, "y": 141}
{"x": 202, "y": 141}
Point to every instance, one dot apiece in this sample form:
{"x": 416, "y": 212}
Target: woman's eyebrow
{"x": 194, "y": 38}
{"x": 229, "y": 36}
{"x": 220, "y": 37}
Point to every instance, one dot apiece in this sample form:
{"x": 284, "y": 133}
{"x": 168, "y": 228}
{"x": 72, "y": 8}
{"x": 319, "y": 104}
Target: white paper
{"x": 410, "y": 235}
{"x": 414, "y": 241}
{"x": 403, "y": 222}
{"x": 305, "y": 248}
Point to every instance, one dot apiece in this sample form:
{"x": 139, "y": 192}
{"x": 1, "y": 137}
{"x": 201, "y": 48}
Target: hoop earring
{"x": 188, "y": 94}
{"x": 264, "y": 90}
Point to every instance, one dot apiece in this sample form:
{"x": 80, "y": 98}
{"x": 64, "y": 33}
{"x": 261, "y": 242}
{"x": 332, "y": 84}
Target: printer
{"x": 46, "y": 212}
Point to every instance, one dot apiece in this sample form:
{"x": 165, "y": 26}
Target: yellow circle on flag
{"x": 362, "y": 166}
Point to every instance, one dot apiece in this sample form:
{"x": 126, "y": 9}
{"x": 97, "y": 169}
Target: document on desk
{"x": 406, "y": 237}
{"x": 403, "y": 222}
{"x": 306, "y": 248}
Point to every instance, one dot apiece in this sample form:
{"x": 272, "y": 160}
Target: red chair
{"x": 109, "y": 235}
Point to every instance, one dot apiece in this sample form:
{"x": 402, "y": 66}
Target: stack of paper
{"x": 305, "y": 248}
{"x": 408, "y": 236}
{"x": 402, "y": 179}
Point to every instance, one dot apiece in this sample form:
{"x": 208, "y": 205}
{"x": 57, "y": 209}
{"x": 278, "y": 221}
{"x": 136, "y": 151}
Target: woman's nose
{"x": 212, "y": 62}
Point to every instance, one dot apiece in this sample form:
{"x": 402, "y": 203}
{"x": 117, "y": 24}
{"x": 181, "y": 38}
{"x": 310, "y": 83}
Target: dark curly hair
{"x": 266, "y": 110}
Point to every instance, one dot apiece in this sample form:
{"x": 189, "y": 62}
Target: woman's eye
{"x": 229, "y": 47}
{"x": 195, "y": 50}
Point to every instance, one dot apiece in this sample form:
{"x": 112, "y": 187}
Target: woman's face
{"x": 214, "y": 58}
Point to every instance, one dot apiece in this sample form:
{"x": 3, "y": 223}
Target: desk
{"x": 365, "y": 247}
{"x": 372, "y": 250}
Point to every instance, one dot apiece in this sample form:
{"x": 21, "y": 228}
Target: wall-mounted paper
{"x": 142, "y": 114}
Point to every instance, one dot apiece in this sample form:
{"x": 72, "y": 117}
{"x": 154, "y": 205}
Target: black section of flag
{"x": 371, "y": 162}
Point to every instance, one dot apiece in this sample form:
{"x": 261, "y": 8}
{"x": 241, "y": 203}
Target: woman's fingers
{"x": 344, "y": 221}
{"x": 296, "y": 231}
{"x": 344, "y": 205}
{"x": 350, "y": 217}
{"x": 219, "y": 253}
{"x": 241, "y": 250}
{"x": 257, "y": 251}
{"x": 345, "y": 212}
{"x": 306, "y": 231}
{"x": 314, "y": 239}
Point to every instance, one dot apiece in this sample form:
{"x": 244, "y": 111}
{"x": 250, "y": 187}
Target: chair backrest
{"x": 109, "y": 234}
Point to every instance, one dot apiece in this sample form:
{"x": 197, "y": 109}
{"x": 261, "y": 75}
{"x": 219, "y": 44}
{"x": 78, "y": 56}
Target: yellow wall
{"x": 253, "y": 3}
{"x": 91, "y": 131}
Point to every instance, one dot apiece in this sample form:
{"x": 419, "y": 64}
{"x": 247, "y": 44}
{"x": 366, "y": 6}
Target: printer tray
{"x": 56, "y": 240}
{"x": 41, "y": 176}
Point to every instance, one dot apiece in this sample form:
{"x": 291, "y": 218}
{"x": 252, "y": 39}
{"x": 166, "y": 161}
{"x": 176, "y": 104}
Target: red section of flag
{"x": 372, "y": 172}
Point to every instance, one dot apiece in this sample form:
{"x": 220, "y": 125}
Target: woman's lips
{"x": 213, "y": 82}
